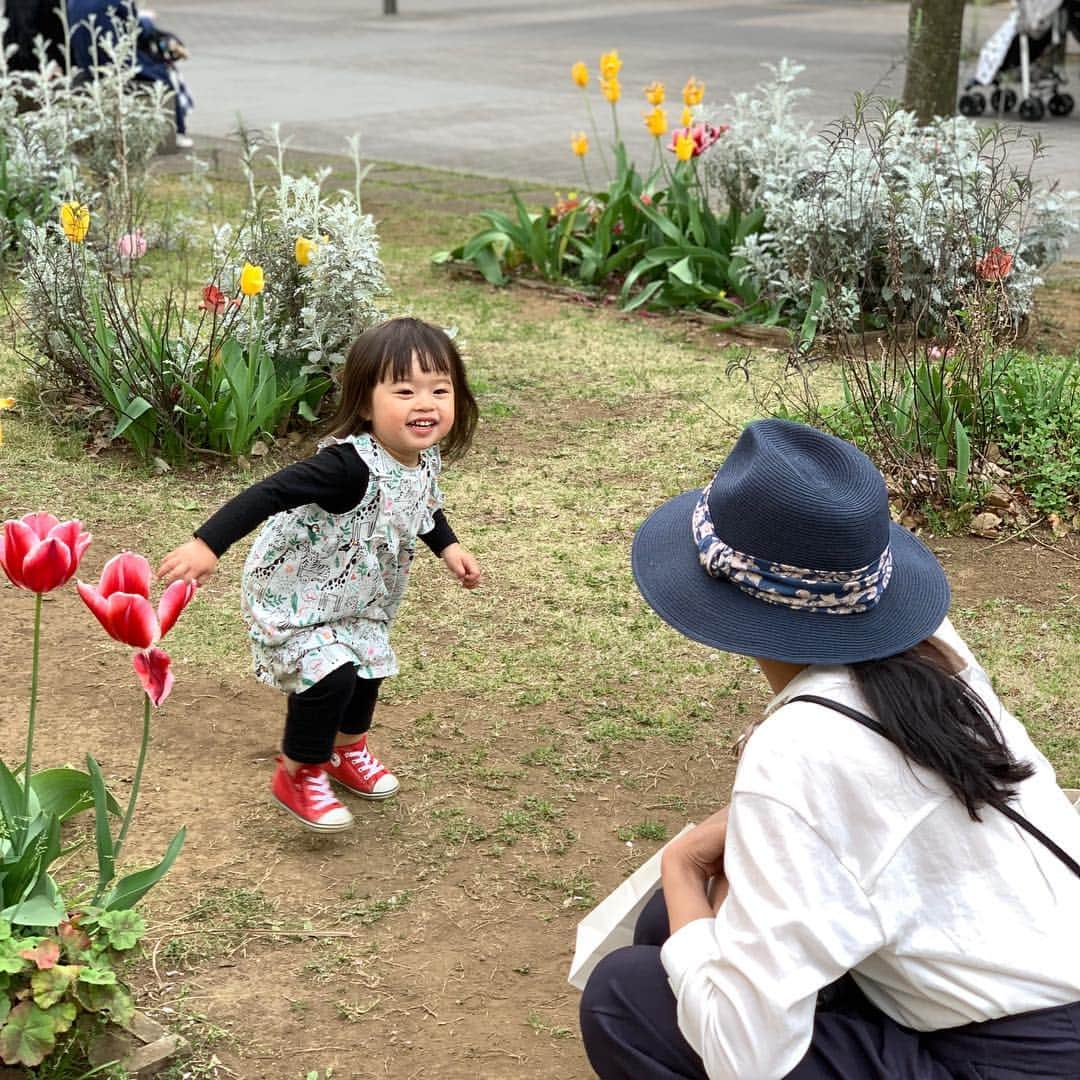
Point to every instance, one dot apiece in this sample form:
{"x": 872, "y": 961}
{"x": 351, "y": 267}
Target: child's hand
{"x": 462, "y": 565}
{"x": 193, "y": 561}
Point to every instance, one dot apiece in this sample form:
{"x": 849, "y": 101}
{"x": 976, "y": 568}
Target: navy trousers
{"x": 630, "y": 1031}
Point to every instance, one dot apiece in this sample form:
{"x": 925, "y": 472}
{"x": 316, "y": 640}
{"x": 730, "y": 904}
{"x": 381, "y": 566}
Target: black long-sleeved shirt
{"x": 335, "y": 479}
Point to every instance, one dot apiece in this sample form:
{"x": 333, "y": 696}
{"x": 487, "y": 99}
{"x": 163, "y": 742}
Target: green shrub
{"x": 1038, "y": 412}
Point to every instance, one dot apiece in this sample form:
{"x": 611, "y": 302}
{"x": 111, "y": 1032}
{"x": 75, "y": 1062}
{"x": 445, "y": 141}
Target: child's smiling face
{"x": 411, "y": 415}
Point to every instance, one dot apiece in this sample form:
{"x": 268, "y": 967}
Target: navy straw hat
{"x": 790, "y": 554}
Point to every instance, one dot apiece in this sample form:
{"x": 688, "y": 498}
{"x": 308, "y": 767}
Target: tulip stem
{"x": 596, "y": 135}
{"x": 28, "y": 761}
{"x": 133, "y": 798}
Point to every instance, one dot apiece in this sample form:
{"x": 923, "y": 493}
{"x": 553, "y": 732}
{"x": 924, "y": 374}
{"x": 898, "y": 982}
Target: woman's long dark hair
{"x": 940, "y": 723}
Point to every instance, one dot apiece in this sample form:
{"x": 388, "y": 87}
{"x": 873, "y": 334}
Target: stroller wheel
{"x": 1003, "y": 100}
{"x": 1032, "y": 108}
{"x": 1061, "y": 104}
{"x": 973, "y": 104}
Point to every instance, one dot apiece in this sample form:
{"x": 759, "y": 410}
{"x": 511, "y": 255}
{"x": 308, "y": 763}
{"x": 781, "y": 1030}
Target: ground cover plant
{"x": 548, "y": 731}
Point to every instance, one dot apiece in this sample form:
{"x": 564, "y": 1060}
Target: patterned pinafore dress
{"x": 320, "y": 590}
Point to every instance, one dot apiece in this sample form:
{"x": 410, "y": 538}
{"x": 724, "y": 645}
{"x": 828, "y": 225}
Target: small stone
{"x": 985, "y": 525}
{"x": 259, "y": 448}
{"x": 999, "y": 497}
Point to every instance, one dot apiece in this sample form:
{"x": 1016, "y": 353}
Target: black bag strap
{"x": 1001, "y": 805}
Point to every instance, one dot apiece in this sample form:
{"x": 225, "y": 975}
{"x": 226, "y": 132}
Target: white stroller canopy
{"x": 1030, "y": 17}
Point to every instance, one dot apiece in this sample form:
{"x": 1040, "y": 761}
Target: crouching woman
{"x": 893, "y": 891}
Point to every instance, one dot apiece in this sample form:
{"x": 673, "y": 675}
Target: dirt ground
{"x": 410, "y": 947}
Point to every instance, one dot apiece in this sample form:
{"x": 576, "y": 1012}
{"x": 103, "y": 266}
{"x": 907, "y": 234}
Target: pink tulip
{"x": 132, "y": 245}
{"x": 152, "y": 667}
{"x": 121, "y": 602}
{"x": 40, "y": 553}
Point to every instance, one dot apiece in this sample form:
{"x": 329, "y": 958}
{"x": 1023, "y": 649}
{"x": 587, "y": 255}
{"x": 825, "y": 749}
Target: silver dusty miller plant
{"x": 313, "y": 310}
{"x": 886, "y": 220}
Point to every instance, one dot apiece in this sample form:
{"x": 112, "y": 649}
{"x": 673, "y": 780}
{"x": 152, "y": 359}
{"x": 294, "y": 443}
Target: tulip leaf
{"x": 130, "y": 413}
{"x": 130, "y": 890}
{"x": 66, "y": 792}
{"x": 102, "y": 830}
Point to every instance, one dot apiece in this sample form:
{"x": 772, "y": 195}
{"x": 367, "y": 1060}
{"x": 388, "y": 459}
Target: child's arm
{"x": 335, "y": 479}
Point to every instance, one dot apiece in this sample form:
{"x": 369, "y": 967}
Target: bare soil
{"x": 420, "y": 950}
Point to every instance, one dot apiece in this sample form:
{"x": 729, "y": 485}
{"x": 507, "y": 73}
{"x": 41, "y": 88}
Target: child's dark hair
{"x": 941, "y": 724}
{"x": 386, "y": 351}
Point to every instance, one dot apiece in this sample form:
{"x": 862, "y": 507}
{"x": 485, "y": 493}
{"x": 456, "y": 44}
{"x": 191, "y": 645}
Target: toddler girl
{"x": 327, "y": 572}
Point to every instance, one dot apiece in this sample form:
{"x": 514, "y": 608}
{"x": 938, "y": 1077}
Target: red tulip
{"x": 152, "y": 667}
{"x": 704, "y": 135}
{"x": 121, "y": 602}
{"x": 994, "y": 265}
{"x": 213, "y": 299}
{"x": 40, "y": 553}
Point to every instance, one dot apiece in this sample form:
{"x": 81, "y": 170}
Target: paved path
{"x": 483, "y": 85}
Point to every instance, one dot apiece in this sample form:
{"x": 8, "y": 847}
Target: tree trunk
{"x": 933, "y": 60}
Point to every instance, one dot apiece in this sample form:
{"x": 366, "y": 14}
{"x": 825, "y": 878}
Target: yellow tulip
{"x": 251, "y": 280}
{"x": 684, "y": 146}
{"x": 656, "y": 121}
{"x": 5, "y": 403}
{"x": 579, "y": 143}
{"x": 687, "y": 116}
{"x": 580, "y": 74}
{"x": 654, "y": 93}
{"x": 304, "y": 250}
{"x": 612, "y": 89}
{"x": 694, "y": 91}
{"x": 75, "y": 221}
{"x": 610, "y": 64}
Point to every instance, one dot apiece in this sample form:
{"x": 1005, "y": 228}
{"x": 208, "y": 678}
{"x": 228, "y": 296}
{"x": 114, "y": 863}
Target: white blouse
{"x": 840, "y": 855}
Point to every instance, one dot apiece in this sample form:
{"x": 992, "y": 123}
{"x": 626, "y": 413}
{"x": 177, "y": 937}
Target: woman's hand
{"x": 462, "y": 564}
{"x": 687, "y": 867}
{"x": 193, "y": 561}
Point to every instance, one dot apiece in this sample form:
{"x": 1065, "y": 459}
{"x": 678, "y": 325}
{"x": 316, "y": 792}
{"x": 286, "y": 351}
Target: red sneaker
{"x": 356, "y": 768}
{"x": 307, "y": 796}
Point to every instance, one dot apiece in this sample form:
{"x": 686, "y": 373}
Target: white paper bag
{"x": 610, "y": 925}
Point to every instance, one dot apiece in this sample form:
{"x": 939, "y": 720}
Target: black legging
{"x": 339, "y": 702}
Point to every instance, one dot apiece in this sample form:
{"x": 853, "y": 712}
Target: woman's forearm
{"x": 686, "y": 893}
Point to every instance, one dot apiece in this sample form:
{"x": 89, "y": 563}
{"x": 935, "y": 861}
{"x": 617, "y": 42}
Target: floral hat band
{"x": 835, "y": 592}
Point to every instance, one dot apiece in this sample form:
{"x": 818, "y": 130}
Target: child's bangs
{"x": 433, "y": 352}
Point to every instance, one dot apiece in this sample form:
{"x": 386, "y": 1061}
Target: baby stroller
{"x": 1028, "y": 49}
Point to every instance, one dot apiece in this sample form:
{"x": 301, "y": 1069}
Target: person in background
{"x": 157, "y": 50}
{"x": 28, "y": 20}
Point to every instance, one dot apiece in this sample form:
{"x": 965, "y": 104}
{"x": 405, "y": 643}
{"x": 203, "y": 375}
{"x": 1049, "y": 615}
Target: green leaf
{"x": 51, "y": 985}
{"x": 97, "y": 976}
{"x": 131, "y": 889}
{"x": 30, "y": 1032}
{"x": 130, "y": 413}
{"x": 683, "y": 270}
{"x": 112, "y": 999}
{"x": 38, "y": 911}
{"x": 963, "y": 458}
{"x": 65, "y": 792}
{"x": 813, "y": 314}
{"x": 103, "y": 833}
{"x": 122, "y": 927}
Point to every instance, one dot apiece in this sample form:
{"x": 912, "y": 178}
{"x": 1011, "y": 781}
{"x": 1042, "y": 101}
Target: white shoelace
{"x": 318, "y": 791}
{"x": 363, "y": 762}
